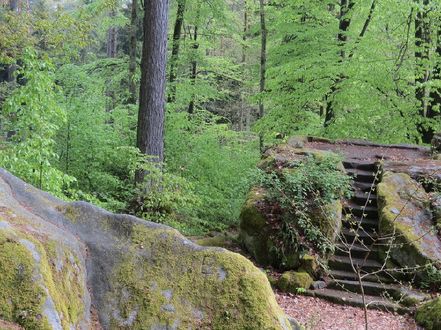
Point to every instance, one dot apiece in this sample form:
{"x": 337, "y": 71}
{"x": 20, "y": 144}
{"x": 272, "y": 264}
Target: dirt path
{"x": 318, "y": 314}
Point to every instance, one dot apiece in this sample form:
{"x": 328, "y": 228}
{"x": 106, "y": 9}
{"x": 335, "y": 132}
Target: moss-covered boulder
{"x": 256, "y": 232}
{"x": 404, "y": 208}
{"x": 293, "y": 281}
{"x": 75, "y": 266}
{"x": 259, "y": 232}
{"x": 429, "y": 315}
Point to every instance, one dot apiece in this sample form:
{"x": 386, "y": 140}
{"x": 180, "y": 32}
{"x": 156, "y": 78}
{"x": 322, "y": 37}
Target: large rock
{"x": 405, "y": 212}
{"x": 417, "y": 169}
{"x": 75, "y": 266}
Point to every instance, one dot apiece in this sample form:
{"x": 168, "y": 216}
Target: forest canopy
{"x": 240, "y": 74}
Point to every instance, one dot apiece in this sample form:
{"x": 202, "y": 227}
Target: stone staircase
{"x": 359, "y": 251}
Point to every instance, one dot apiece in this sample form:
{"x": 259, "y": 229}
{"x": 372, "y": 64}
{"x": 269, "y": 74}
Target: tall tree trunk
{"x": 244, "y": 112}
{"x": 112, "y": 38}
{"x": 342, "y": 38}
{"x": 132, "y": 53}
{"x": 264, "y": 34}
{"x": 422, "y": 74}
{"x": 177, "y": 31}
{"x": 194, "y": 63}
{"x": 150, "y": 132}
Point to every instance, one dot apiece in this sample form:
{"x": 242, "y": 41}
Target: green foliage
{"x": 216, "y": 160}
{"x": 295, "y": 194}
{"x": 372, "y": 87}
{"x": 431, "y": 278}
{"x": 165, "y": 197}
{"x": 33, "y": 116}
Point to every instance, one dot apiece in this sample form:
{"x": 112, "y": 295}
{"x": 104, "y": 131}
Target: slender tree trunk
{"x": 342, "y": 38}
{"x": 263, "y": 32}
{"x": 422, "y": 74}
{"x": 177, "y": 31}
{"x": 244, "y": 113}
{"x": 112, "y": 38}
{"x": 194, "y": 63}
{"x": 150, "y": 132}
{"x": 132, "y": 53}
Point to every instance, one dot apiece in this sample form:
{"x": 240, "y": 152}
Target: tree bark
{"x": 264, "y": 33}
{"x": 177, "y": 31}
{"x": 342, "y": 38}
{"x": 112, "y": 39}
{"x": 132, "y": 54}
{"x": 150, "y": 132}
{"x": 194, "y": 63}
{"x": 244, "y": 113}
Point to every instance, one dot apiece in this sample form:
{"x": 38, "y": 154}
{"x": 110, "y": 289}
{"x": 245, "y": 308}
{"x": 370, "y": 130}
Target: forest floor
{"x": 319, "y": 314}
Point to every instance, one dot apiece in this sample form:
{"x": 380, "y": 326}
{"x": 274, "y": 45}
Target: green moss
{"x": 21, "y": 298}
{"x": 64, "y": 282}
{"x": 292, "y": 281}
{"x": 70, "y": 212}
{"x": 177, "y": 283}
{"x": 328, "y": 219}
{"x": 64, "y": 286}
{"x": 222, "y": 241}
{"x": 429, "y": 315}
{"x": 309, "y": 264}
{"x": 252, "y": 220}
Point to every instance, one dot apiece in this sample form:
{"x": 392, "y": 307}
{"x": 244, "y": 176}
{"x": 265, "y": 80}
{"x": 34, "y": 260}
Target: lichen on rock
{"x": 405, "y": 216}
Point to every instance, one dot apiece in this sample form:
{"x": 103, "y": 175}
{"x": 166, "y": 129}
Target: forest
{"x": 239, "y": 76}
{"x": 162, "y": 109}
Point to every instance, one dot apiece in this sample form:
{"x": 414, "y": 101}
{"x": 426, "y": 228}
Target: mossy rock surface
{"x": 405, "y": 211}
{"x": 256, "y": 226}
{"x": 292, "y": 281}
{"x": 429, "y": 315}
{"x": 58, "y": 259}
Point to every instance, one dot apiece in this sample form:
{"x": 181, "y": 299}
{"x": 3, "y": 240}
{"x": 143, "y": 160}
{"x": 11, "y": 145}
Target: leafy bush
{"x": 295, "y": 194}
{"x": 32, "y": 117}
{"x": 431, "y": 278}
{"x": 216, "y": 160}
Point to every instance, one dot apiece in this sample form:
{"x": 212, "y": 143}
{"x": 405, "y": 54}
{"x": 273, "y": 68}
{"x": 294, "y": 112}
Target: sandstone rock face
{"x": 75, "y": 266}
{"x": 405, "y": 213}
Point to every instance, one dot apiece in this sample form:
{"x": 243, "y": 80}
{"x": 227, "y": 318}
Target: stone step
{"x": 354, "y": 299}
{"x": 344, "y": 263}
{"x": 369, "y": 224}
{"x": 360, "y": 165}
{"x": 364, "y": 187}
{"x": 361, "y": 198}
{"x": 360, "y": 210}
{"x": 351, "y": 276}
{"x": 357, "y": 251}
{"x": 399, "y": 293}
{"x": 364, "y": 237}
{"x": 362, "y": 176}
